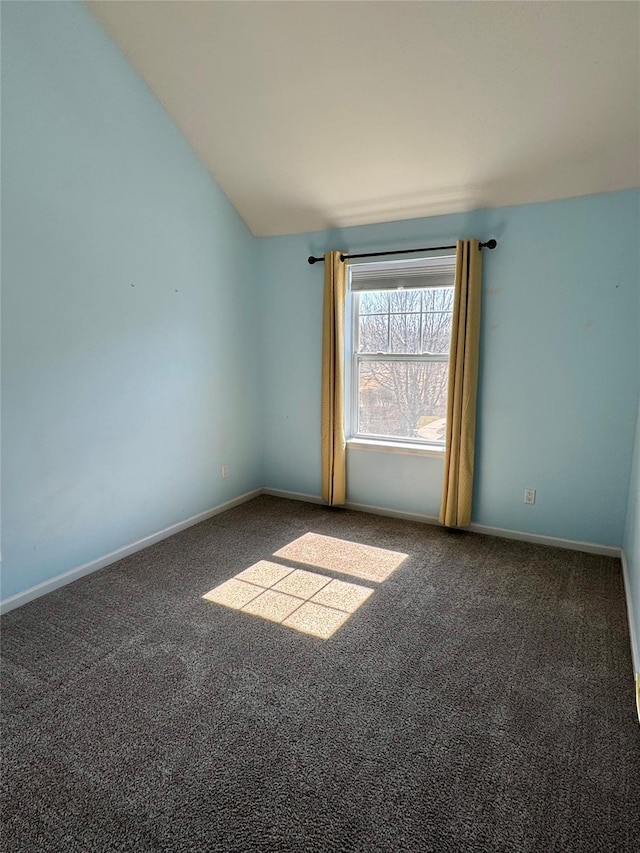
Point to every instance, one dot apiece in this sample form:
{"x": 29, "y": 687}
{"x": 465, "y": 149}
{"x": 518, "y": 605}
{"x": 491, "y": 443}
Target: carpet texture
{"x": 480, "y": 699}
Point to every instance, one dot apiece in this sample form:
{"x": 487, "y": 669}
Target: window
{"x": 399, "y": 341}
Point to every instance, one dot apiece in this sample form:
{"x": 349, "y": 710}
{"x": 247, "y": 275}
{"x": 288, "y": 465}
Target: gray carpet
{"x": 480, "y": 700}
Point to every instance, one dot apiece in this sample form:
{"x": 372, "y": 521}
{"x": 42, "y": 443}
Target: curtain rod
{"x": 490, "y": 244}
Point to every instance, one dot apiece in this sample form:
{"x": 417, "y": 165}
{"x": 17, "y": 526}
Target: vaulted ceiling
{"x": 312, "y": 115}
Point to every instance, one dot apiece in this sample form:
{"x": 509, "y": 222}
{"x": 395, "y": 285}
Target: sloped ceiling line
{"x": 313, "y": 115}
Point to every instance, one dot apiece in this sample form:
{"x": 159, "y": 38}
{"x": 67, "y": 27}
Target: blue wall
{"x": 632, "y": 545}
{"x": 129, "y": 319}
{"x": 558, "y": 373}
{"x": 148, "y": 338}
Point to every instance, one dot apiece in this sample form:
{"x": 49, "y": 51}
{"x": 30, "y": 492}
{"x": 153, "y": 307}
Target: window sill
{"x": 406, "y": 448}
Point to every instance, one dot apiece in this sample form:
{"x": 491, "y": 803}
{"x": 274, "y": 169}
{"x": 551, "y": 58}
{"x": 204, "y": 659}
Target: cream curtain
{"x": 463, "y": 385}
{"x": 332, "y": 431}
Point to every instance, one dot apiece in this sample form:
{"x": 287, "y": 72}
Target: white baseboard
{"x": 535, "y": 538}
{"x": 392, "y": 513}
{"x": 635, "y": 650}
{"x": 292, "y": 496}
{"x": 375, "y": 510}
{"x": 553, "y": 541}
{"x": 87, "y": 568}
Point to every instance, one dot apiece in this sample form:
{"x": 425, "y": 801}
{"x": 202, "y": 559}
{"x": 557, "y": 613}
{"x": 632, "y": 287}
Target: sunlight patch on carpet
{"x": 305, "y": 601}
{"x": 340, "y": 555}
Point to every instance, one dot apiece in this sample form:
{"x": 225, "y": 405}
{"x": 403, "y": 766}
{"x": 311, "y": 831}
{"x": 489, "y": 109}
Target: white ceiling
{"x": 324, "y": 114}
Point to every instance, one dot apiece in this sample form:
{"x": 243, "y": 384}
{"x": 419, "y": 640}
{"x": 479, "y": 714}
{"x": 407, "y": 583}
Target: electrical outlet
{"x": 225, "y": 470}
{"x": 529, "y": 496}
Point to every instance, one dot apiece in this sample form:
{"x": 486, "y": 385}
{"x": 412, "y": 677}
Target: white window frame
{"x": 442, "y": 269}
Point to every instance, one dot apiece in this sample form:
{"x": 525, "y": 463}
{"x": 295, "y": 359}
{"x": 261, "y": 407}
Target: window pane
{"x": 436, "y": 332}
{"x": 374, "y": 333}
{"x": 403, "y": 399}
{"x": 438, "y": 299}
{"x": 402, "y": 301}
{"x": 436, "y": 322}
{"x": 374, "y": 303}
{"x": 405, "y": 333}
